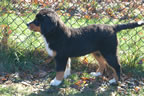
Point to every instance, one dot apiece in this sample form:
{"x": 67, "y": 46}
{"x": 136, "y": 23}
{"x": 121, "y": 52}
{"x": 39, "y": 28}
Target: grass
{"x": 41, "y": 87}
{"x": 26, "y": 52}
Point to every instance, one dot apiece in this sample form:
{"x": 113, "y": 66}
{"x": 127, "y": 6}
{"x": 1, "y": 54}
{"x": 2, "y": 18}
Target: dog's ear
{"x": 48, "y": 26}
{"x": 39, "y": 17}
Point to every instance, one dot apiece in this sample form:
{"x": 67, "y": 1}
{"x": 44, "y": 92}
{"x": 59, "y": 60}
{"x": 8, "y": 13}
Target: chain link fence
{"x": 14, "y": 34}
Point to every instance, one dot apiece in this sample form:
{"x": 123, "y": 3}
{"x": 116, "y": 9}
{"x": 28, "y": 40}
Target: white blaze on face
{"x": 50, "y": 52}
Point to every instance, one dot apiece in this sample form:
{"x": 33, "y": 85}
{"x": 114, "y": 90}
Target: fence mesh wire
{"x": 14, "y": 14}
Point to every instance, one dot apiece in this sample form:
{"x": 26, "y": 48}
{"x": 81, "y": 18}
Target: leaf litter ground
{"x": 37, "y": 84}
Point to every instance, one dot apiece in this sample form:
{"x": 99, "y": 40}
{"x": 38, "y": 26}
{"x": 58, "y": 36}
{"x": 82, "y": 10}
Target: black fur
{"x": 120, "y": 27}
{"x": 73, "y": 42}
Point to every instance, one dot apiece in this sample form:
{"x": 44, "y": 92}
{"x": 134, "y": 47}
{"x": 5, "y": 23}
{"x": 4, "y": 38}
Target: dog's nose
{"x": 27, "y": 24}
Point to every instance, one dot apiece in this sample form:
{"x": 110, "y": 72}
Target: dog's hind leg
{"x": 102, "y": 64}
{"x": 114, "y": 63}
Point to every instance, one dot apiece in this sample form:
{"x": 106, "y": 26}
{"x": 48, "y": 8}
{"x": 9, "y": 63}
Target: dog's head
{"x": 45, "y": 21}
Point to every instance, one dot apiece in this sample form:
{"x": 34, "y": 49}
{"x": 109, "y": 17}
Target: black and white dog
{"x": 63, "y": 42}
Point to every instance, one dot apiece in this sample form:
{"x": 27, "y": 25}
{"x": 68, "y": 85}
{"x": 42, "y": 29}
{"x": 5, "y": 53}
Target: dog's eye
{"x": 36, "y": 22}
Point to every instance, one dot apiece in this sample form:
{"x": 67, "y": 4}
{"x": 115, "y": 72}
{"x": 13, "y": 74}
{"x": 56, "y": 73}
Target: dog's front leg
{"x": 58, "y": 79}
{"x": 60, "y": 68}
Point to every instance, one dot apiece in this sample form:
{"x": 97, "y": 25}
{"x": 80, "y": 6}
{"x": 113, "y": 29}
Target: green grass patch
{"x": 6, "y": 91}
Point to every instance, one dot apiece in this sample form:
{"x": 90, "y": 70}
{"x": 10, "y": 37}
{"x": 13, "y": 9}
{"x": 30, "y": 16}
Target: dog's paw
{"x": 55, "y": 82}
{"x": 95, "y": 74}
{"x": 112, "y": 81}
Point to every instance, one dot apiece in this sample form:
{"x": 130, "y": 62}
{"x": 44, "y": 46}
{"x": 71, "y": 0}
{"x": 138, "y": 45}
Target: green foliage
{"x": 6, "y": 91}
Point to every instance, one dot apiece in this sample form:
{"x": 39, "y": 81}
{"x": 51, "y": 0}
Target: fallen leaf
{"x": 137, "y": 19}
{"x": 9, "y": 32}
{"x": 140, "y": 33}
{"x": 40, "y": 74}
{"x": 3, "y": 79}
{"x": 87, "y": 16}
{"x": 124, "y": 38}
{"x": 88, "y": 5}
{"x": 8, "y": 82}
{"x": 104, "y": 78}
{"x": 84, "y": 78}
{"x": 96, "y": 16}
{"x": 78, "y": 83}
{"x": 85, "y": 60}
{"x": 83, "y": 9}
{"x": 137, "y": 89}
{"x": 3, "y": 26}
{"x": 25, "y": 83}
{"x": 84, "y": 82}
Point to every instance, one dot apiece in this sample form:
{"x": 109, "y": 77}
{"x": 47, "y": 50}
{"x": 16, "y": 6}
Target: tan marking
{"x": 102, "y": 62}
{"x": 103, "y": 65}
{"x": 50, "y": 58}
{"x": 114, "y": 74}
{"x": 33, "y": 27}
{"x": 68, "y": 66}
{"x": 59, "y": 75}
{"x": 54, "y": 54}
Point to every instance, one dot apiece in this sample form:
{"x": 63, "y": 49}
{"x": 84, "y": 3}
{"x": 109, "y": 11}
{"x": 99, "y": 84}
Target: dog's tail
{"x": 120, "y": 27}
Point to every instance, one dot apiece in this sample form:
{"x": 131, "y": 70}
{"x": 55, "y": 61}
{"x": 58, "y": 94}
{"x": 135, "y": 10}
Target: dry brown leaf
{"x": 84, "y": 78}
{"x": 137, "y": 19}
{"x": 78, "y": 83}
{"x": 83, "y": 9}
{"x": 25, "y": 83}
{"x": 87, "y": 16}
{"x": 42, "y": 73}
{"x": 85, "y": 60}
{"x": 137, "y": 89}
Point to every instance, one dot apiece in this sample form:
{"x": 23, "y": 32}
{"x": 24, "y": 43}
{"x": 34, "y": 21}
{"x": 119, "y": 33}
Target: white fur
{"x": 68, "y": 69}
{"x": 55, "y": 82}
{"x": 95, "y": 74}
{"x": 50, "y": 52}
{"x": 140, "y": 22}
{"x": 112, "y": 81}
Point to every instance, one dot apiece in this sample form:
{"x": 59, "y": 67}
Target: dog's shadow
{"x": 92, "y": 89}
{"x": 58, "y": 91}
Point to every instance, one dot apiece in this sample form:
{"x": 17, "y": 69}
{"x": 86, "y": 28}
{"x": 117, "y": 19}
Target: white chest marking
{"x": 50, "y": 52}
